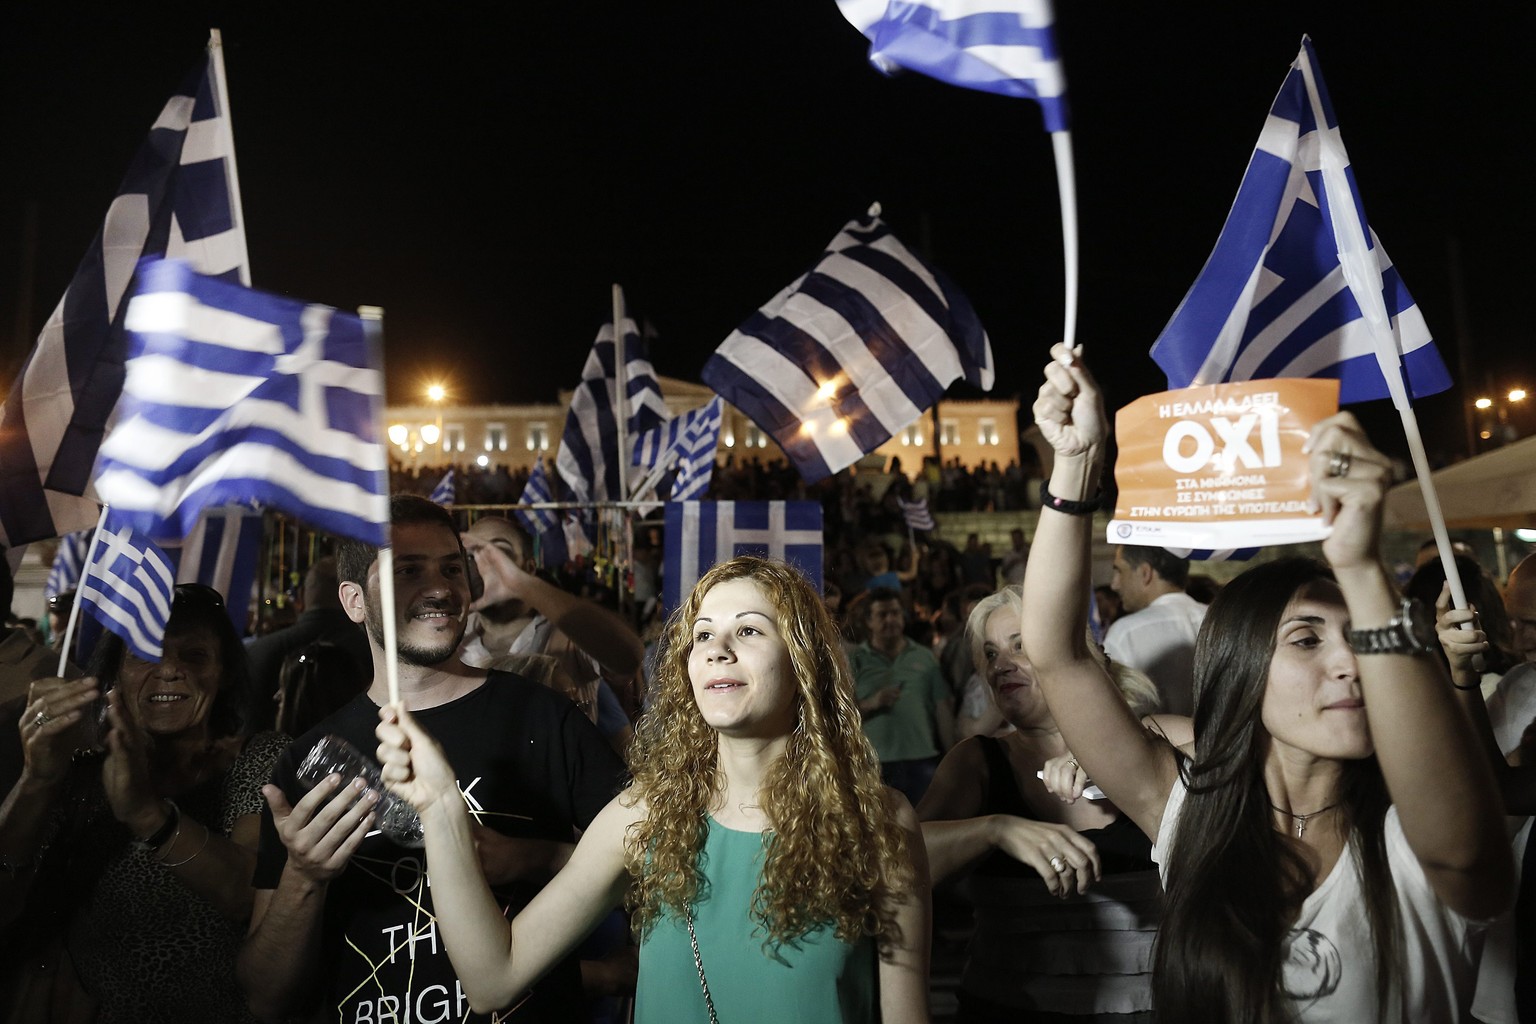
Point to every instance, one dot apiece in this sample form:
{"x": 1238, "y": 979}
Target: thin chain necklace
{"x": 1302, "y": 819}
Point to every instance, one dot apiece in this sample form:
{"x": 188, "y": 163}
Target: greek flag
{"x": 179, "y": 198}
{"x": 443, "y": 493}
{"x": 128, "y": 587}
{"x": 700, "y": 533}
{"x": 1277, "y": 298}
{"x": 588, "y": 460}
{"x": 694, "y": 437}
{"x": 1002, "y": 46}
{"x": 64, "y": 574}
{"x": 860, "y": 346}
{"x": 234, "y": 395}
{"x": 223, "y": 552}
{"x": 537, "y": 521}
{"x": 916, "y": 514}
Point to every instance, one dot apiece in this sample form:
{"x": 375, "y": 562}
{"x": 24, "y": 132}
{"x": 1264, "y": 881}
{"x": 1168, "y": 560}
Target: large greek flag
{"x": 588, "y": 460}
{"x": 1276, "y": 299}
{"x": 128, "y": 587}
{"x": 234, "y": 395}
{"x": 1006, "y": 47}
{"x": 860, "y": 346}
{"x": 700, "y": 533}
{"x": 694, "y": 437}
{"x": 179, "y": 198}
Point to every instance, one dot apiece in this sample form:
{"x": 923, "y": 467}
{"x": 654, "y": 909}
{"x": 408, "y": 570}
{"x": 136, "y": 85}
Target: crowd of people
{"x": 1283, "y": 799}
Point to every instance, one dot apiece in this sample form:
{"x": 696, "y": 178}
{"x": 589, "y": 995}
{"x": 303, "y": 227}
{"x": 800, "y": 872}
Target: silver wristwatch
{"x": 1410, "y": 631}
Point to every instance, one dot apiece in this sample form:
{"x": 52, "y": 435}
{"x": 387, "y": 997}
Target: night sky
{"x": 484, "y": 172}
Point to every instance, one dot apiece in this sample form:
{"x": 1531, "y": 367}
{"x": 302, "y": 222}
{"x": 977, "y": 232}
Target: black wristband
{"x": 165, "y": 831}
{"x": 1071, "y": 508}
{"x": 1466, "y": 689}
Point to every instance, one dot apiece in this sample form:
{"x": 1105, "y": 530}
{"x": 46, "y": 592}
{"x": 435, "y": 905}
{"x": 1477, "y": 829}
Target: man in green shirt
{"x": 907, "y": 709}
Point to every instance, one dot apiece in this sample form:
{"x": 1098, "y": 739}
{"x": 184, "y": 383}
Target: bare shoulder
{"x": 901, "y": 808}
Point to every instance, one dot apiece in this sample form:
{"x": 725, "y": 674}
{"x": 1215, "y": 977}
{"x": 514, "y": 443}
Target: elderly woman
{"x": 1330, "y": 851}
{"x": 1066, "y": 895}
{"x": 142, "y": 858}
{"x": 756, "y": 848}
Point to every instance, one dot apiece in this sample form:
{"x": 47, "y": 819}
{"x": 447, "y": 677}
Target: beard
{"x": 424, "y": 655}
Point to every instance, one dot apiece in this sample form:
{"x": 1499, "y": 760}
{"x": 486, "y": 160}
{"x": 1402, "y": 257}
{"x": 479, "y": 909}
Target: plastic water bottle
{"x": 333, "y": 755}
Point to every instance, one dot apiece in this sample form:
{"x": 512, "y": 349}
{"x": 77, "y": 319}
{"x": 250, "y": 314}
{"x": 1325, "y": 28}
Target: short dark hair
{"x": 1164, "y": 563}
{"x": 879, "y": 594}
{"x": 353, "y": 557}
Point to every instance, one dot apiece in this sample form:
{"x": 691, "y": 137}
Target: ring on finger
{"x": 1338, "y": 463}
{"x": 1075, "y": 766}
{"x": 42, "y": 719}
{"x": 1058, "y": 864}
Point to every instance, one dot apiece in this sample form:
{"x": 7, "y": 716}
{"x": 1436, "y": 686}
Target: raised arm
{"x": 1436, "y": 771}
{"x": 497, "y": 963}
{"x": 597, "y": 631}
{"x": 1135, "y": 770}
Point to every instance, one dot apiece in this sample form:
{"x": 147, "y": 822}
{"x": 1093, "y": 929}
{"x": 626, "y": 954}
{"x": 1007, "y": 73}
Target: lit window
{"x": 986, "y": 432}
{"x": 949, "y": 432}
{"x": 538, "y": 437}
{"x": 495, "y": 437}
{"x": 755, "y": 438}
{"x": 453, "y": 437}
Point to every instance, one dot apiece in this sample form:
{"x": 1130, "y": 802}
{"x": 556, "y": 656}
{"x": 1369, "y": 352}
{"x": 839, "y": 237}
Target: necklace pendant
{"x": 1301, "y": 827}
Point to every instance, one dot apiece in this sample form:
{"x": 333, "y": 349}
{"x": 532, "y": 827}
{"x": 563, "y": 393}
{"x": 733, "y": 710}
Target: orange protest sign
{"x": 1219, "y": 466}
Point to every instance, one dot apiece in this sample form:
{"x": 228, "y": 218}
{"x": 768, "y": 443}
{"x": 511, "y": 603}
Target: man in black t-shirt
{"x": 343, "y": 917}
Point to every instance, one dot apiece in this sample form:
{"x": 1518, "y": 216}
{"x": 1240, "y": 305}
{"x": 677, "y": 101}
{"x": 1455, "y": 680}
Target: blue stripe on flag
{"x": 128, "y": 587}
{"x": 698, "y": 533}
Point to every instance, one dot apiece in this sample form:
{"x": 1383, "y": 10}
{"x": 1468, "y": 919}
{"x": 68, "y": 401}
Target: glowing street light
{"x": 1516, "y": 394}
{"x": 436, "y": 393}
{"x": 430, "y": 432}
{"x": 398, "y": 434}
{"x": 1484, "y": 403}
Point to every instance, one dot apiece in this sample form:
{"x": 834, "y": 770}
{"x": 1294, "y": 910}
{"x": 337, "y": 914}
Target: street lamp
{"x": 435, "y": 394}
{"x": 1501, "y": 420}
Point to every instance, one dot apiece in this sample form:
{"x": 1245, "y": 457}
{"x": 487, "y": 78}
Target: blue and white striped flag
{"x": 443, "y": 493}
{"x": 1006, "y": 47}
{"x": 129, "y": 587}
{"x": 179, "y": 198}
{"x": 237, "y": 396}
{"x": 537, "y": 521}
{"x": 856, "y": 349}
{"x": 1275, "y": 299}
{"x": 64, "y": 574}
{"x": 222, "y": 552}
{"x": 588, "y": 460}
{"x": 700, "y": 533}
{"x": 916, "y": 514}
{"x": 695, "y": 437}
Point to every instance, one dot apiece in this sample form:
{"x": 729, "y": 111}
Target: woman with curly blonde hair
{"x": 755, "y": 846}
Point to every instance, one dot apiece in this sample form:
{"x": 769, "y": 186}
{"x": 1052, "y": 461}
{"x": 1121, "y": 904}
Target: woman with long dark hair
{"x": 1329, "y": 852}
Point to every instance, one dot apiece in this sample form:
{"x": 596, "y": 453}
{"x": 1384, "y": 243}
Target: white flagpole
{"x": 373, "y": 324}
{"x": 1362, "y": 273}
{"x": 1066, "y": 185}
{"x": 74, "y": 609}
{"x": 621, "y": 392}
{"x": 216, "y": 52}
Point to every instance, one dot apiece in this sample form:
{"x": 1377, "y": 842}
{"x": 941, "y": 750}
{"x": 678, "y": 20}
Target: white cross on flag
{"x": 702, "y": 533}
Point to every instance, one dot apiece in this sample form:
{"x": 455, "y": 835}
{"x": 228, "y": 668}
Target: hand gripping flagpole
{"x": 1362, "y": 273}
{"x": 373, "y": 324}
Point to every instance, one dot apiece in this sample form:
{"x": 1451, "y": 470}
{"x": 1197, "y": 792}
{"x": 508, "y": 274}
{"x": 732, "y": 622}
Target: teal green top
{"x": 819, "y": 979}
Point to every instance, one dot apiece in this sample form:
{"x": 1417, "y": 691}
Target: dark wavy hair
{"x": 196, "y": 607}
{"x": 1233, "y": 888}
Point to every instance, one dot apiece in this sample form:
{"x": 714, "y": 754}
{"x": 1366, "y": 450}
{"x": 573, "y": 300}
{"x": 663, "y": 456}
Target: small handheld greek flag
{"x": 700, "y": 533}
{"x": 916, "y": 514}
{"x": 238, "y": 396}
{"x": 128, "y": 586}
{"x": 1006, "y": 47}
{"x": 443, "y": 493}
{"x": 694, "y": 437}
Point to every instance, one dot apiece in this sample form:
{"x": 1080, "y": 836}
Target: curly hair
{"x": 836, "y": 854}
